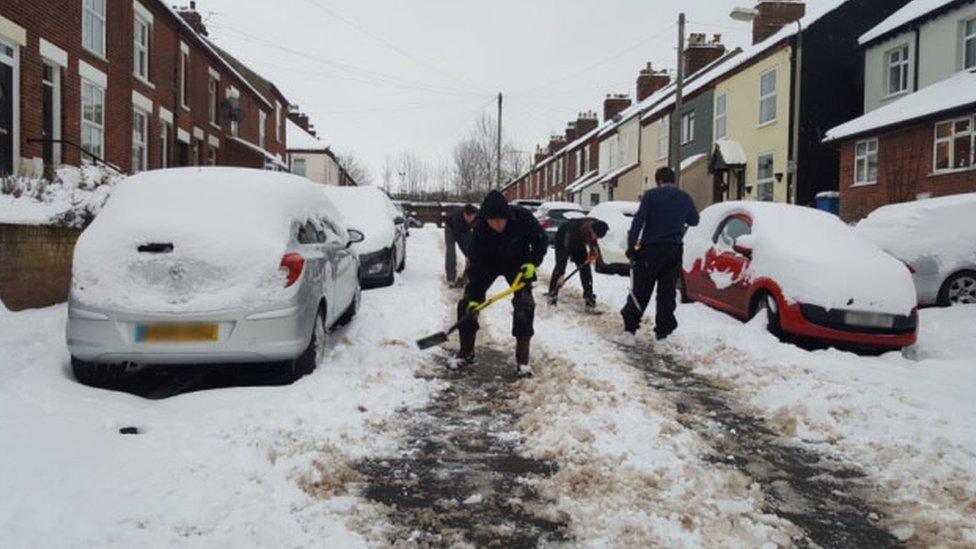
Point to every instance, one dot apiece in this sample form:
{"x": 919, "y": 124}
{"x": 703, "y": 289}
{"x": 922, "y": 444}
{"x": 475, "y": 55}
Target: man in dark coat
{"x": 577, "y": 239}
{"x": 655, "y": 247}
{"x": 457, "y": 231}
{"x": 507, "y": 240}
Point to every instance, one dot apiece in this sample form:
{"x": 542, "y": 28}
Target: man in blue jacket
{"x": 654, "y": 247}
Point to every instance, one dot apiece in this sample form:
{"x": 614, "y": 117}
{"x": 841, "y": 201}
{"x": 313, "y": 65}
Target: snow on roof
{"x": 300, "y": 140}
{"x": 367, "y": 209}
{"x": 619, "y": 171}
{"x": 560, "y": 206}
{"x": 954, "y": 92}
{"x": 910, "y": 12}
{"x": 731, "y": 151}
{"x": 582, "y": 182}
{"x": 688, "y": 162}
{"x": 267, "y": 155}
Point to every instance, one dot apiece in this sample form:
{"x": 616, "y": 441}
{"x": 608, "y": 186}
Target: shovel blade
{"x": 432, "y": 340}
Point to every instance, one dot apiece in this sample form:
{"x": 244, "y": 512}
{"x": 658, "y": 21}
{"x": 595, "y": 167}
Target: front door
{"x": 6, "y": 114}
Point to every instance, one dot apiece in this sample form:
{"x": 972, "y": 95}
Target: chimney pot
{"x": 613, "y": 104}
{"x": 702, "y": 53}
{"x": 773, "y": 16}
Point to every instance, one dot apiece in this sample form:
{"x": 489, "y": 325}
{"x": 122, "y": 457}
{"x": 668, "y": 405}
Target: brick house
{"x": 310, "y": 157}
{"x": 132, "y": 83}
{"x": 916, "y": 139}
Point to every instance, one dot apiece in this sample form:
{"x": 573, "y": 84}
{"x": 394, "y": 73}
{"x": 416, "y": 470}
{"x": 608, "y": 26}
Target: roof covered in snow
{"x": 731, "y": 151}
{"x": 908, "y": 14}
{"x": 690, "y": 161}
{"x": 952, "y": 93}
{"x": 618, "y": 172}
{"x": 300, "y": 140}
{"x": 582, "y": 182}
{"x": 263, "y": 152}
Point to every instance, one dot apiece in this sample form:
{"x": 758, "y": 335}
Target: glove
{"x": 528, "y": 272}
{"x": 631, "y": 255}
{"x": 472, "y": 305}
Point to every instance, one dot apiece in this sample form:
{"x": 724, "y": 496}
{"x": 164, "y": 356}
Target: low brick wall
{"x": 35, "y": 265}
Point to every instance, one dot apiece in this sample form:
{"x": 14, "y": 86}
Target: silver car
{"x": 210, "y": 265}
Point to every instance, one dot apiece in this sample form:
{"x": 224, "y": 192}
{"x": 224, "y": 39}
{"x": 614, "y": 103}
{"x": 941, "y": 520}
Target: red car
{"x": 812, "y": 276}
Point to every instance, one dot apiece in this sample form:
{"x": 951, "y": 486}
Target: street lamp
{"x": 744, "y": 14}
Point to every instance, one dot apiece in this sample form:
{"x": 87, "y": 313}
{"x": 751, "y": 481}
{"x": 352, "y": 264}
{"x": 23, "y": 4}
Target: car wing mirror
{"x": 355, "y": 236}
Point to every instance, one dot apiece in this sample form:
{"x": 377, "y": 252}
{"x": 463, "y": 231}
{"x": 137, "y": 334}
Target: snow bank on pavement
{"x": 72, "y": 199}
{"x": 235, "y": 467}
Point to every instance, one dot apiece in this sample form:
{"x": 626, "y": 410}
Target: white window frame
{"x": 664, "y": 138}
{"x": 902, "y": 65}
{"x": 951, "y": 141}
{"x": 262, "y": 129}
{"x": 771, "y": 180}
{"x": 235, "y": 125}
{"x": 89, "y": 19}
{"x": 165, "y": 128}
{"x": 213, "y": 90}
{"x": 586, "y": 158}
{"x": 294, "y": 167}
{"x": 13, "y": 61}
{"x": 140, "y": 143}
{"x": 278, "y": 124}
{"x": 141, "y": 51}
{"x": 688, "y": 127}
{"x": 967, "y": 39}
{"x": 862, "y": 162}
{"x": 92, "y": 125}
{"x": 771, "y": 96}
{"x": 184, "y": 76}
{"x": 721, "y": 116}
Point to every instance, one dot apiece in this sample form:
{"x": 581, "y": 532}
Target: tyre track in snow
{"x": 832, "y": 502}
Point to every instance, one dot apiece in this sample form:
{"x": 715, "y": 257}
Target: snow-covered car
{"x": 613, "y": 247}
{"x": 936, "y": 238}
{"x": 552, "y": 215}
{"x": 210, "y": 265}
{"x": 814, "y": 278}
{"x": 531, "y": 205}
{"x": 384, "y": 251}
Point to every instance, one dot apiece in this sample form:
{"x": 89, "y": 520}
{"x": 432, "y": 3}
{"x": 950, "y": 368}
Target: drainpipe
{"x": 792, "y": 180}
{"x": 918, "y": 45}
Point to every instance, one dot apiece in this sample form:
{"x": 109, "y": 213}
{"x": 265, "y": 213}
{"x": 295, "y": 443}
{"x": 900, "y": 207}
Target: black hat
{"x": 664, "y": 175}
{"x": 469, "y": 209}
{"x": 495, "y": 206}
{"x": 600, "y": 228}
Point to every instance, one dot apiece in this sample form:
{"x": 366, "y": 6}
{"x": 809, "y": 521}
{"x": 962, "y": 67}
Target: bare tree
{"x": 356, "y": 169}
{"x": 475, "y": 156}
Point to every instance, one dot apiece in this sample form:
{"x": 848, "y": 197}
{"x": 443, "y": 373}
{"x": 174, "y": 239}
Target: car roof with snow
{"x": 560, "y": 206}
{"x": 368, "y": 209}
{"x": 932, "y": 227}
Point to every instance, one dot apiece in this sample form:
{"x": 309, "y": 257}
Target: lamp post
{"x": 749, "y": 15}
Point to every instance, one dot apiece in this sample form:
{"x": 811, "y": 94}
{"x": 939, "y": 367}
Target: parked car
{"x": 384, "y": 251}
{"x": 552, "y": 215}
{"x": 805, "y": 269}
{"x": 613, "y": 246}
{"x": 936, "y": 238}
{"x": 531, "y": 205}
{"x": 210, "y": 265}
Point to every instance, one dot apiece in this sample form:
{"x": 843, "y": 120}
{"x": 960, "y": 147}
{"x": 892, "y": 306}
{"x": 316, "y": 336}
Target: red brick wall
{"x": 36, "y": 267}
{"x": 905, "y": 162}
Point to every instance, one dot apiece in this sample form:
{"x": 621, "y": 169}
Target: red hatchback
{"x": 807, "y": 270}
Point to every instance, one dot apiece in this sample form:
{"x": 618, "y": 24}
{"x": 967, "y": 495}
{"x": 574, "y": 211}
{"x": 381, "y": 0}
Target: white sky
{"x": 378, "y": 77}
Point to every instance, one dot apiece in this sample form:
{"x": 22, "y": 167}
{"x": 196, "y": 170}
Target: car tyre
{"x": 313, "y": 354}
{"x": 767, "y": 302}
{"x": 353, "y": 308}
{"x": 389, "y": 278}
{"x": 94, "y": 374}
{"x": 403, "y": 262}
{"x": 958, "y": 289}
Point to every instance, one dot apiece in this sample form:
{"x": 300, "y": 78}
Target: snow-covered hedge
{"x": 72, "y": 198}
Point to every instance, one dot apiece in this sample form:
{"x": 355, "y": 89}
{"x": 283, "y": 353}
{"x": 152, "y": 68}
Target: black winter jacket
{"x": 460, "y": 229}
{"x": 523, "y": 241}
{"x": 573, "y": 236}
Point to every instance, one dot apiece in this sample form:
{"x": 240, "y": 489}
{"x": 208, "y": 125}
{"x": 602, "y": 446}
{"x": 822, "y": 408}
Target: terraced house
{"x": 131, "y": 83}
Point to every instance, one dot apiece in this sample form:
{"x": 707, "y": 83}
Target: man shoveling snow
{"x": 577, "y": 240}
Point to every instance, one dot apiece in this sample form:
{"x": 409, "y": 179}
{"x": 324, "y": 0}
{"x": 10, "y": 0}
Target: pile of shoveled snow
{"x": 72, "y": 199}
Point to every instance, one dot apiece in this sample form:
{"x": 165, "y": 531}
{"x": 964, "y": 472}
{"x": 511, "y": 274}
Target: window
{"x": 764, "y": 177}
{"x": 164, "y": 133}
{"x": 278, "y": 122}
{"x": 298, "y": 166}
{"x": 212, "y": 155}
{"x": 212, "y": 100}
{"x": 92, "y": 119}
{"x": 196, "y": 152}
{"x": 732, "y": 229}
{"x": 767, "y": 97}
{"x": 141, "y": 33}
{"x": 586, "y": 158}
{"x": 184, "y": 79}
{"x": 969, "y": 44}
{"x": 688, "y": 128}
{"x": 866, "y": 162}
{"x": 578, "y": 157}
{"x": 664, "y": 138}
{"x": 93, "y": 26}
{"x": 594, "y": 199}
{"x": 234, "y": 97}
{"x": 954, "y": 144}
{"x": 897, "y": 60}
{"x": 140, "y": 132}
{"x": 262, "y": 129}
{"x": 721, "y": 104}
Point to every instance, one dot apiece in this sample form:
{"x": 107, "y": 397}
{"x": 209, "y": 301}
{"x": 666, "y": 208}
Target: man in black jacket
{"x": 577, "y": 239}
{"x": 457, "y": 231}
{"x": 655, "y": 247}
{"x": 507, "y": 240}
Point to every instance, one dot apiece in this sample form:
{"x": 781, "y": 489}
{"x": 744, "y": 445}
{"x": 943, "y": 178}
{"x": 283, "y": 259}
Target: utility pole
{"x": 678, "y": 103}
{"x": 498, "y": 148}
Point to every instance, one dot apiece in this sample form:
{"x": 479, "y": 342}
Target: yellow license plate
{"x": 174, "y": 333}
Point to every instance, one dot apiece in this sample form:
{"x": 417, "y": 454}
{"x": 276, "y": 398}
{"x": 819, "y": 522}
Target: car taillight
{"x": 545, "y": 222}
{"x": 910, "y": 268}
{"x": 291, "y": 267}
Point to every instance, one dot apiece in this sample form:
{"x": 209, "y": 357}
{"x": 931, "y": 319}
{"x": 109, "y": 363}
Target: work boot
{"x": 590, "y": 301}
{"x": 625, "y": 339}
{"x": 552, "y": 299}
{"x": 522, "y": 368}
{"x": 465, "y": 356}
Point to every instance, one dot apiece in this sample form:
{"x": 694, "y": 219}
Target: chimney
{"x": 701, "y": 52}
{"x": 540, "y": 154}
{"x": 775, "y": 15}
{"x": 556, "y": 142}
{"x": 586, "y": 122}
{"x": 614, "y": 103}
{"x": 193, "y": 18}
{"x": 571, "y": 132}
{"x": 650, "y": 81}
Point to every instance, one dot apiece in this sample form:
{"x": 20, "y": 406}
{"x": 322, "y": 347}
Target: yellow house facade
{"x": 655, "y": 143}
{"x": 757, "y": 116}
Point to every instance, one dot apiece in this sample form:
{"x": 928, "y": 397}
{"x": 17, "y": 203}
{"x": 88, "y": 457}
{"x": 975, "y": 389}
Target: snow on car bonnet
{"x": 194, "y": 239}
{"x": 367, "y": 209}
{"x": 813, "y": 256}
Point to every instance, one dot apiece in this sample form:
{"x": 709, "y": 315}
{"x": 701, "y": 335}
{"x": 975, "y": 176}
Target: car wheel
{"x": 353, "y": 308}
{"x": 765, "y": 302}
{"x": 389, "y": 278}
{"x": 958, "y": 289}
{"x": 96, "y": 375}
{"x": 313, "y": 354}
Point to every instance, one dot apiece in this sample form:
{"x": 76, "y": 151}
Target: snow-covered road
{"x": 602, "y": 447}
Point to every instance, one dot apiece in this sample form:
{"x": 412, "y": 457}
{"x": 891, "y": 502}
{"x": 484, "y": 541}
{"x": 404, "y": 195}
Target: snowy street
{"x": 721, "y": 436}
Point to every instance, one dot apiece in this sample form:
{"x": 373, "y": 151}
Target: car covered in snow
{"x": 552, "y": 215}
{"x": 210, "y": 265}
{"x": 384, "y": 251}
{"x": 813, "y": 277}
{"x": 531, "y": 205}
{"x": 613, "y": 247}
{"x": 936, "y": 238}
